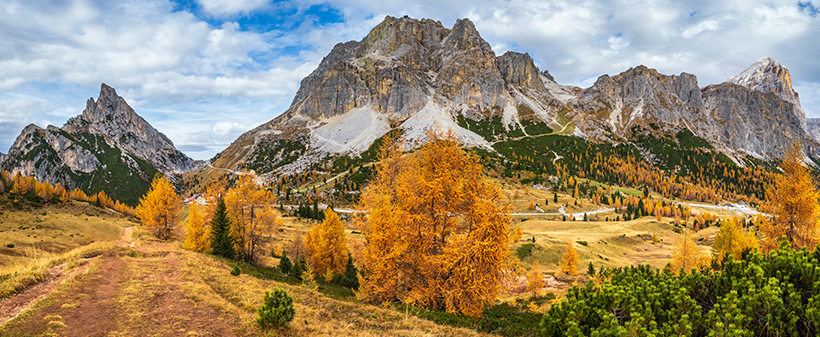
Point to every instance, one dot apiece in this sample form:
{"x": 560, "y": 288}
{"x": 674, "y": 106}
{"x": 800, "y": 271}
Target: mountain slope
{"x": 107, "y": 147}
{"x": 414, "y": 75}
{"x": 403, "y": 68}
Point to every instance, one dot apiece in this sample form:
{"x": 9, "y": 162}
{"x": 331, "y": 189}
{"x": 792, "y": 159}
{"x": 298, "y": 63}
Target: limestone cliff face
{"x": 108, "y": 147}
{"x": 640, "y": 96}
{"x": 416, "y": 74}
{"x": 753, "y": 122}
{"x": 403, "y": 67}
{"x": 768, "y": 75}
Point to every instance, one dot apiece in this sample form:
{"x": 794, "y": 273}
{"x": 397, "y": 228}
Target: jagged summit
{"x": 403, "y": 67}
{"x": 768, "y": 75}
{"x": 412, "y": 75}
{"x": 107, "y": 147}
{"x": 112, "y": 117}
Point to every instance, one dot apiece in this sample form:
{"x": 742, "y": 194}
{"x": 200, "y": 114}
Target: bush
{"x": 276, "y": 311}
{"x": 582, "y": 243}
{"x": 524, "y": 251}
{"x": 236, "y": 271}
{"x": 10, "y": 245}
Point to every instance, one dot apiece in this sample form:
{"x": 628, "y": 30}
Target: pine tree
{"x": 284, "y": 264}
{"x": 569, "y": 262}
{"x": 221, "y": 242}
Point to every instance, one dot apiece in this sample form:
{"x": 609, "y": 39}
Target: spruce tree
{"x": 284, "y": 264}
{"x": 221, "y": 242}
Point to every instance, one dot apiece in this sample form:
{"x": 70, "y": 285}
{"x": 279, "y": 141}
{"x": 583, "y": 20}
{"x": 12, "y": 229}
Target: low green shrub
{"x": 277, "y": 310}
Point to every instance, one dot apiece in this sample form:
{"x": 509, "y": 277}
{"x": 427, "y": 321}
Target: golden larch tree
{"x": 569, "y": 262}
{"x": 535, "y": 280}
{"x": 516, "y": 234}
{"x": 159, "y": 207}
{"x": 197, "y": 231}
{"x": 731, "y": 240}
{"x": 327, "y": 246}
{"x": 686, "y": 254}
{"x": 436, "y": 229}
{"x": 253, "y": 216}
{"x": 792, "y": 203}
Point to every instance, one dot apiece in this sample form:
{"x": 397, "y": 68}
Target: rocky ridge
{"x": 415, "y": 74}
{"x": 108, "y": 146}
{"x": 402, "y": 68}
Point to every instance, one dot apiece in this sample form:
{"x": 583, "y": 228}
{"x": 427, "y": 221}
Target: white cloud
{"x": 702, "y": 26}
{"x": 186, "y": 74}
{"x": 231, "y": 7}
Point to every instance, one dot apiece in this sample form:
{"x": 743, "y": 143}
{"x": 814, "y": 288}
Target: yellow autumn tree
{"x": 731, "y": 240}
{"x": 792, "y": 203}
{"x": 686, "y": 254}
{"x": 436, "y": 229}
{"x": 569, "y": 262}
{"x": 327, "y": 246}
{"x": 516, "y": 234}
{"x": 253, "y": 217}
{"x": 197, "y": 232}
{"x": 159, "y": 207}
{"x": 535, "y": 280}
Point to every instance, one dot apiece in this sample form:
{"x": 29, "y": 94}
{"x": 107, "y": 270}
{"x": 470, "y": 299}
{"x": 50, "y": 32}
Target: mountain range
{"x": 411, "y": 75}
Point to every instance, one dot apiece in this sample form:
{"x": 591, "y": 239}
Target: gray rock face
{"x": 2, "y": 158}
{"x": 751, "y": 121}
{"x": 402, "y": 67}
{"x": 638, "y": 97}
{"x": 108, "y": 147}
{"x": 813, "y": 128}
{"x": 46, "y": 154}
{"x": 110, "y": 116}
{"x": 768, "y": 75}
{"x": 417, "y": 73}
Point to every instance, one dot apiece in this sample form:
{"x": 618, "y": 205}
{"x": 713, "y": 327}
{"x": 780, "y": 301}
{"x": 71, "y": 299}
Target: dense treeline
{"x": 37, "y": 192}
{"x": 761, "y": 295}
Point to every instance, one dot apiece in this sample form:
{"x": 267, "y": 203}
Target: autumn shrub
{"x": 276, "y": 311}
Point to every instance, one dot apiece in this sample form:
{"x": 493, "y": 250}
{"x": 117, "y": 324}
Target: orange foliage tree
{"x": 197, "y": 232}
{"x": 327, "y": 246}
{"x": 792, "y": 203}
{"x": 436, "y": 231}
{"x": 569, "y": 262}
{"x": 686, "y": 254}
{"x": 159, "y": 207}
{"x": 253, "y": 217}
{"x": 731, "y": 240}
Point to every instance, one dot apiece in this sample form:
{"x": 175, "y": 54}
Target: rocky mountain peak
{"x": 768, "y": 75}
{"x": 111, "y": 116}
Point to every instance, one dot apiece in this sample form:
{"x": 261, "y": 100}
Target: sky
{"x": 205, "y": 71}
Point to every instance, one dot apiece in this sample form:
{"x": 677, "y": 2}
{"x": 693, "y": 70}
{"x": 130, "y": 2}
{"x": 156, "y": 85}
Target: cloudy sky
{"x": 205, "y": 71}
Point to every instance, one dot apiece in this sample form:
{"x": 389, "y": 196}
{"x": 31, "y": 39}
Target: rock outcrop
{"x": 768, "y": 75}
{"x": 752, "y": 122}
{"x": 108, "y": 147}
{"x": 401, "y": 68}
{"x": 416, "y": 74}
{"x": 110, "y": 116}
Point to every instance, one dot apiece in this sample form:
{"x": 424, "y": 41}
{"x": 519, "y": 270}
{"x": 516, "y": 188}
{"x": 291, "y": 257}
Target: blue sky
{"x": 205, "y": 71}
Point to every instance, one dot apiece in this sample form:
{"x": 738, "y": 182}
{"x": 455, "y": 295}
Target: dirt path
{"x": 136, "y": 292}
{"x": 13, "y": 306}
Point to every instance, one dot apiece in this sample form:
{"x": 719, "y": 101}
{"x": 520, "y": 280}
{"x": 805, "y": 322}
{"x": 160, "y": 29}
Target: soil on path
{"x": 137, "y": 292}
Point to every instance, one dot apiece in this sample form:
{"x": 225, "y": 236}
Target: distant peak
{"x": 768, "y": 75}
